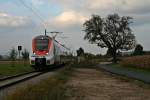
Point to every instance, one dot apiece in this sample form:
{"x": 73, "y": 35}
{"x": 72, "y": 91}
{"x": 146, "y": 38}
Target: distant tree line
{"x": 14, "y": 53}
{"x": 13, "y": 56}
{"x": 81, "y": 53}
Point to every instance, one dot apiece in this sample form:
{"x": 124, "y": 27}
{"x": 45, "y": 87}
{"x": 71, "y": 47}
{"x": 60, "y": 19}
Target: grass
{"x": 6, "y": 68}
{"x": 88, "y": 63}
{"x": 52, "y": 88}
{"x": 55, "y": 88}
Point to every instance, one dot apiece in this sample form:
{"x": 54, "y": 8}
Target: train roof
{"x": 48, "y": 37}
{"x": 42, "y": 37}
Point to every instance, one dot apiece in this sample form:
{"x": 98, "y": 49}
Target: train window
{"x": 41, "y": 44}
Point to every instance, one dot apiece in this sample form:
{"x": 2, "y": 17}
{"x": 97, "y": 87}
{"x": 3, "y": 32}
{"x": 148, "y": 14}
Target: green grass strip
{"x": 6, "y": 69}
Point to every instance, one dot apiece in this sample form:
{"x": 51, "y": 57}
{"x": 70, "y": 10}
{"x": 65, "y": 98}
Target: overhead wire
{"x": 40, "y": 17}
{"x": 35, "y": 13}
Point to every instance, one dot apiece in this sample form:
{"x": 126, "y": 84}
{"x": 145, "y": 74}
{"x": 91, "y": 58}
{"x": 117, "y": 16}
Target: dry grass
{"x": 52, "y": 88}
{"x": 137, "y": 61}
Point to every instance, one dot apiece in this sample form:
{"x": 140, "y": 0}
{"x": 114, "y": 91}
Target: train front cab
{"x": 41, "y": 62}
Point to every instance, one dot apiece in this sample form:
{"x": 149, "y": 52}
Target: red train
{"x": 46, "y": 51}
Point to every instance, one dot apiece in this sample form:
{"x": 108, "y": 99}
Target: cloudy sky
{"x": 21, "y": 20}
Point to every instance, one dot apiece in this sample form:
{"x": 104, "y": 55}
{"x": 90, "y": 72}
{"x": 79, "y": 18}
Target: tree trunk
{"x": 24, "y": 62}
{"x": 114, "y": 54}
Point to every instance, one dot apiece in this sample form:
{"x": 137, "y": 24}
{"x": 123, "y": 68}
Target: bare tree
{"x": 25, "y": 56}
{"x": 13, "y": 55}
{"x": 112, "y": 32}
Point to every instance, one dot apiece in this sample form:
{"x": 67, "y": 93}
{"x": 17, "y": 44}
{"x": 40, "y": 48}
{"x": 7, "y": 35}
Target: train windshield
{"x": 41, "y": 44}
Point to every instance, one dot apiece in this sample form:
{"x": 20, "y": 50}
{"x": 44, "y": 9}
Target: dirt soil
{"x": 92, "y": 84}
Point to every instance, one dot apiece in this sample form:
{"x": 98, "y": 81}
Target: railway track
{"x": 12, "y": 76}
{"x": 9, "y": 81}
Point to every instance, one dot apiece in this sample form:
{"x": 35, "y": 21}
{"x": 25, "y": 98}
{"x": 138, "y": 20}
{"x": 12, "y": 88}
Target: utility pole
{"x": 19, "y": 50}
{"x": 53, "y": 32}
{"x": 45, "y": 32}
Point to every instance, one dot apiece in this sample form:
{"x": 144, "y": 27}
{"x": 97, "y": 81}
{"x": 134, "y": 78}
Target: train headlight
{"x": 47, "y": 53}
{"x": 34, "y": 53}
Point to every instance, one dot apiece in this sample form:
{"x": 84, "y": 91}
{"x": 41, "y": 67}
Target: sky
{"x": 21, "y": 20}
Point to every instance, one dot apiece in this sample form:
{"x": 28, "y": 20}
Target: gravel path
{"x": 145, "y": 77}
{"x": 92, "y": 84}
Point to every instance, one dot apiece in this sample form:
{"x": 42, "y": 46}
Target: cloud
{"x": 37, "y": 2}
{"x": 123, "y": 6}
{"x": 7, "y": 20}
{"x": 126, "y": 6}
{"x": 138, "y": 9}
{"x": 68, "y": 19}
{"x": 140, "y": 20}
{"x": 135, "y": 6}
{"x": 100, "y": 4}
